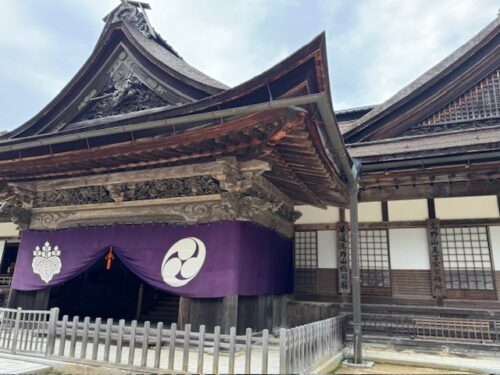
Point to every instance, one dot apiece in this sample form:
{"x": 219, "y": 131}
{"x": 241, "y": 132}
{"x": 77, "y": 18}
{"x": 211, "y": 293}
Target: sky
{"x": 375, "y": 47}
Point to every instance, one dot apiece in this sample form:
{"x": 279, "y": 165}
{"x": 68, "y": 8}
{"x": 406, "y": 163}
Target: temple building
{"x": 148, "y": 190}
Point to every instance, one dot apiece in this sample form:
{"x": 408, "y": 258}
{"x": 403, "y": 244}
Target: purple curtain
{"x": 205, "y": 260}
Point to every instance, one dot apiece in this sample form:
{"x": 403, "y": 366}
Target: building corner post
{"x": 356, "y": 288}
{"x": 355, "y": 277}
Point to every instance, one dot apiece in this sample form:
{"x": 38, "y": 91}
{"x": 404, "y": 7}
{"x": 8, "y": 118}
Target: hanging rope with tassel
{"x": 109, "y": 258}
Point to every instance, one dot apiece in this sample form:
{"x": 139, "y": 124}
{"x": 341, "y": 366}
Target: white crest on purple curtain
{"x": 183, "y": 261}
{"x": 46, "y": 262}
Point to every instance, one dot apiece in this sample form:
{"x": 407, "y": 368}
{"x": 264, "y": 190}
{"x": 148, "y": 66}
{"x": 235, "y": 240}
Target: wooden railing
{"x": 431, "y": 328}
{"x": 303, "y": 348}
{"x": 147, "y": 346}
{"x": 143, "y": 345}
{"x": 26, "y": 330}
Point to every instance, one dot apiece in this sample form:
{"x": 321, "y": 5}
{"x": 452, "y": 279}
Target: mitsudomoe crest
{"x": 183, "y": 261}
{"x": 46, "y": 261}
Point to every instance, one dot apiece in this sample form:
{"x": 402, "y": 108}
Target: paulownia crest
{"x": 46, "y": 261}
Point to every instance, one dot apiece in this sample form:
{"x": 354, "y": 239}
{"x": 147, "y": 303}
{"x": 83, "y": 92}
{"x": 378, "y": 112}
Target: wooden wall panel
{"x": 411, "y": 283}
{"x": 377, "y": 292}
{"x": 471, "y": 294}
{"x": 326, "y": 285}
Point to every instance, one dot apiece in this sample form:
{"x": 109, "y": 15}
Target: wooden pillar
{"x": 42, "y": 299}
{"x": 29, "y": 300}
{"x": 184, "y": 312}
{"x": 280, "y": 311}
{"x": 229, "y": 313}
{"x": 140, "y": 298}
{"x": 436, "y": 260}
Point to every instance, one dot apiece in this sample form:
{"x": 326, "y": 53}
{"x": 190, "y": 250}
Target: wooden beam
{"x": 431, "y": 208}
{"x": 385, "y": 211}
{"x": 441, "y": 190}
{"x": 403, "y": 224}
{"x": 277, "y": 159}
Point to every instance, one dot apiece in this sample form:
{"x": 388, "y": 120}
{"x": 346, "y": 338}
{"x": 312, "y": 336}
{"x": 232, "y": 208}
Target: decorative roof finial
{"x": 134, "y": 12}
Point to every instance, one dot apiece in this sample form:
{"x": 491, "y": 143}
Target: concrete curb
{"x": 327, "y": 367}
{"x": 476, "y": 365}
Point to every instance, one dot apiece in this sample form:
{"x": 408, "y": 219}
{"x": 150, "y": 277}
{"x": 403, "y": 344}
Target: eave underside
{"x": 286, "y": 138}
{"x": 465, "y": 174}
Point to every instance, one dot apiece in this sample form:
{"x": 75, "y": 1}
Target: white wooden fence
{"x": 303, "y": 348}
{"x": 157, "y": 347}
{"x": 26, "y": 330}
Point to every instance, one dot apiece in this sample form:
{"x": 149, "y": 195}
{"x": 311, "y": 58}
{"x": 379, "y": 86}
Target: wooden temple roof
{"x": 136, "y": 104}
{"x": 440, "y": 135}
{"x": 474, "y": 62}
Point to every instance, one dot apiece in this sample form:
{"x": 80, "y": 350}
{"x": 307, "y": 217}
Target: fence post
{"x": 51, "y": 334}
{"x": 265, "y": 349}
{"x": 159, "y": 332}
{"x": 201, "y": 347}
{"x": 171, "y": 346}
{"x": 283, "y": 351}
{"x": 185, "y": 350}
{"x": 248, "y": 351}
{"x": 85, "y": 337}
{"x": 215, "y": 363}
{"x": 16, "y": 331}
{"x": 232, "y": 344}
{"x": 62, "y": 340}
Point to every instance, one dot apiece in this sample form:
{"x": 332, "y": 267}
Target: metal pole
{"x": 356, "y": 294}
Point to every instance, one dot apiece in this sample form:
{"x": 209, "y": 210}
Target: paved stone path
{"x": 14, "y": 366}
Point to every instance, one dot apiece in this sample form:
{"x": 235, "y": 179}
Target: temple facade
{"x": 148, "y": 190}
{"x": 429, "y": 192}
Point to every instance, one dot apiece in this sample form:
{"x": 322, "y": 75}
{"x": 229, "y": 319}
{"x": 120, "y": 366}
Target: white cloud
{"x": 16, "y": 30}
{"x": 375, "y": 46}
{"x": 399, "y": 40}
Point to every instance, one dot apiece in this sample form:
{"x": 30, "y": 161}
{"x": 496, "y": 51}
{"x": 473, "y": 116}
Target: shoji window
{"x": 374, "y": 258}
{"x": 467, "y": 258}
{"x": 306, "y": 257}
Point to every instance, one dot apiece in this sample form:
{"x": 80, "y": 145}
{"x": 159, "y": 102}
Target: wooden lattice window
{"x": 472, "y": 109}
{"x": 306, "y": 257}
{"x": 374, "y": 258}
{"x": 467, "y": 258}
{"x": 481, "y": 101}
{"x": 374, "y": 262}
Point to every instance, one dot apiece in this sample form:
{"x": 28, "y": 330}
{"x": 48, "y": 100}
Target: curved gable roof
{"x": 433, "y": 89}
{"x": 162, "y": 70}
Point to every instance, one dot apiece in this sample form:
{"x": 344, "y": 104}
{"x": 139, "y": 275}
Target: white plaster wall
{"x": 467, "y": 207}
{"x": 327, "y": 249}
{"x": 370, "y": 211}
{"x": 413, "y": 209}
{"x": 8, "y": 230}
{"x": 367, "y": 212}
{"x": 314, "y": 215}
{"x": 409, "y": 249}
{"x": 495, "y": 245}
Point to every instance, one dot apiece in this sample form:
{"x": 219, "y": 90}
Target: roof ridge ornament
{"x": 134, "y": 12}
